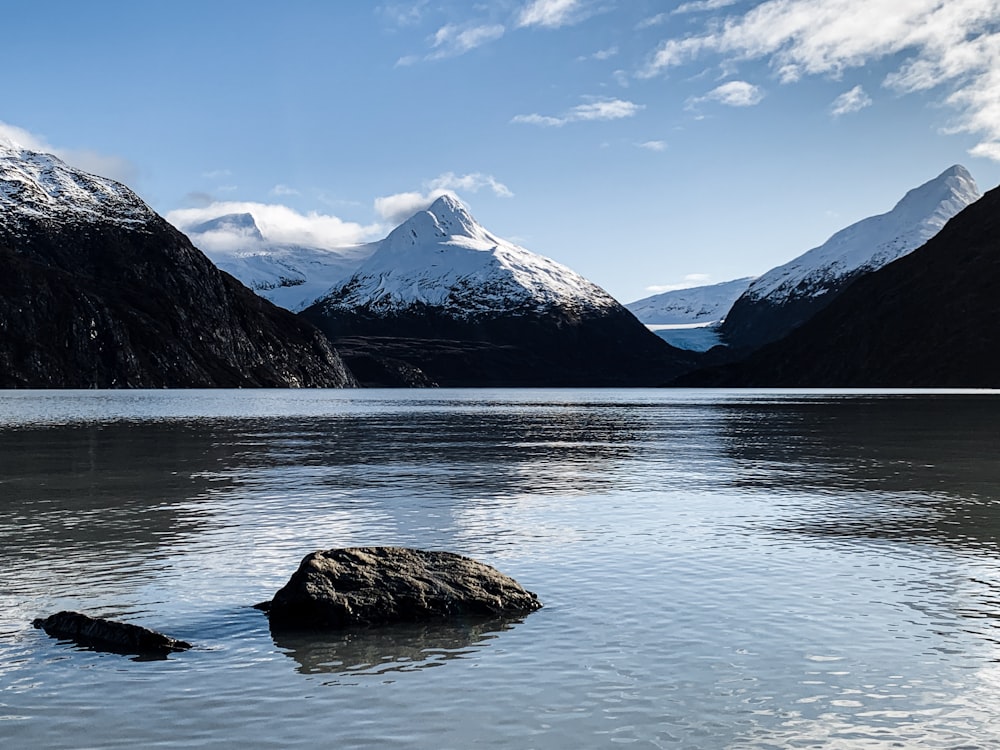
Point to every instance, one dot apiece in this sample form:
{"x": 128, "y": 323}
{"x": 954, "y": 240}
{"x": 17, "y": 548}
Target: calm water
{"x": 719, "y": 570}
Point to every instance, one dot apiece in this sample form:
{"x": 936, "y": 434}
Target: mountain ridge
{"x": 787, "y": 295}
{"x": 100, "y": 291}
{"x": 925, "y": 320}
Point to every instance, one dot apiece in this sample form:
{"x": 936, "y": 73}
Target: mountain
{"x": 99, "y": 291}
{"x": 443, "y": 295}
{"x": 689, "y": 318}
{"x": 929, "y": 319}
{"x": 699, "y": 305}
{"x": 291, "y": 276}
{"x": 786, "y": 296}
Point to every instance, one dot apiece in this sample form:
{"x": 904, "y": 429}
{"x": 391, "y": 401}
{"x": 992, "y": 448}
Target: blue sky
{"x": 644, "y": 144}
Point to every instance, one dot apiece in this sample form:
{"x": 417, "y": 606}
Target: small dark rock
{"x": 364, "y": 586}
{"x": 108, "y": 635}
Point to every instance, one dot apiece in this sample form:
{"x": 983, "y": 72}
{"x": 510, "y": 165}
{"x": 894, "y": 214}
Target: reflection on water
{"x": 395, "y": 648}
{"x": 901, "y": 468}
{"x": 719, "y": 569}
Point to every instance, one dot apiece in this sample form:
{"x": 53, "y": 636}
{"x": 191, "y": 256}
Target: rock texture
{"x": 929, "y": 319}
{"x": 364, "y": 586}
{"x": 108, "y": 635}
{"x": 98, "y": 291}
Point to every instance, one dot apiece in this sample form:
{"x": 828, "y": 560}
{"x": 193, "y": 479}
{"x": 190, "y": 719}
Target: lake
{"x": 719, "y": 569}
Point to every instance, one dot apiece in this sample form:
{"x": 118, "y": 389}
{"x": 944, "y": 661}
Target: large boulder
{"x": 363, "y": 586}
{"x": 108, "y": 635}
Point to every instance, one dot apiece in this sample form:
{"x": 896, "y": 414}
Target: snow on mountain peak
{"x": 41, "y": 186}
{"x": 442, "y": 257}
{"x": 445, "y": 219}
{"x": 700, "y": 305}
{"x": 242, "y": 224}
{"x": 873, "y": 242}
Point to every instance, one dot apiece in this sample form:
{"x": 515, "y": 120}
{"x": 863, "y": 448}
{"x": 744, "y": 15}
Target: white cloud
{"x": 453, "y": 40}
{"x": 601, "y": 54}
{"x": 653, "y": 145}
{"x": 851, "y": 101}
{"x": 103, "y": 165}
{"x": 690, "y": 280}
{"x": 595, "y": 109}
{"x": 949, "y": 44}
{"x": 657, "y": 20}
{"x": 551, "y": 14}
{"x": 472, "y": 183}
{"x": 284, "y": 190}
{"x": 537, "y": 119}
{"x": 216, "y": 174}
{"x": 278, "y": 224}
{"x": 732, "y": 94}
{"x": 700, "y": 6}
{"x": 15, "y": 137}
{"x": 604, "y": 109}
{"x": 400, "y": 206}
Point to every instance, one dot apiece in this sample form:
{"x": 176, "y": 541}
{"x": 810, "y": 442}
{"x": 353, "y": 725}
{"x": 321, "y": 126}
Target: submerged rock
{"x": 108, "y": 635}
{"x": 339, "y": 588}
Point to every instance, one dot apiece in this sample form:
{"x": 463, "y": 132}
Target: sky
{"x": 646, "y": 144}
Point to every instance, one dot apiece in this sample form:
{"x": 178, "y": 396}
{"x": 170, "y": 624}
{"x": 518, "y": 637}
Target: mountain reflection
{"x": 892, "y": 467}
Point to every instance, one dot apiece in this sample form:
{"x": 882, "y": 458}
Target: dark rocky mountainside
{"x": 99, "y": 291}
{"x": 553, "y": 348}
{"x": 929, "y": 319}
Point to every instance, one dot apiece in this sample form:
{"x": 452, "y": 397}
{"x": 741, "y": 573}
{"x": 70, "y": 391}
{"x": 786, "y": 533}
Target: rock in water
{"x": 379, "y": 585}
{"x": 108, "y": 635}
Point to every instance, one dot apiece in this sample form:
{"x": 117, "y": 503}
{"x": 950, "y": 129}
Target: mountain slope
{"x": 700, "y": 305}
{"x": 784, "y": 297}
{"x": 290, "y": 276}
{"x": 99, "y": 291}
{"x": 690, "y": 318}
{"x": 446, "y": 296}
{"x": 929, "y": 319}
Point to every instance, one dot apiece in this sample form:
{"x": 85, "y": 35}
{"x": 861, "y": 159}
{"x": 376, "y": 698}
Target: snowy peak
{"x": 454, "y": 220}
{"x": 873, "y": 242}
{"x": 938, "y": 200}
{"x": 41, "y": 186}
{"x": 242, "y": 225}
{"x": 445, "y": 220}
{"x": 443, "y": 258}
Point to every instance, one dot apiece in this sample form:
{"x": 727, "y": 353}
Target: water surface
{"x": 719, "y": 569}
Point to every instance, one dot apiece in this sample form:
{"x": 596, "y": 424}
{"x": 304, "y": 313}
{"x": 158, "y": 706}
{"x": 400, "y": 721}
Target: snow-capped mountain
{"x": 871, "y": 242}
{"x": 510, "y": 316}
{"x": 97, "y": 290}
{"x": 927, "y": 320}
{"x": 443, "y": 259}
{"x": 689, "y": 318}
{"x": 290, "y": 276}
{"x": 785, "y": 296}
{"x": 35, "y": 185}
{"x": 699, "y": 305}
